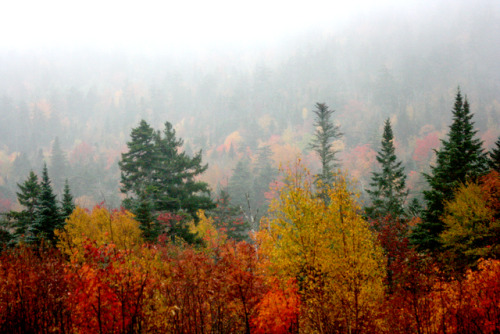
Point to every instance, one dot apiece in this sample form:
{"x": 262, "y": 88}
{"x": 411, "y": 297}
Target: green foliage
{"x": 28, "y": 197}
{"x": 229, "y": 218}
{"x": 58, "y": 166}
{"x": 67, "y": 203}
{"x": 461, "y": 158}
{"x": 495, "y": 157}
{"x": 158, "y": 176}
{"x": 47, "y": 214}
{"x": 322, "y": 143}
{"x": 388, "y": 193}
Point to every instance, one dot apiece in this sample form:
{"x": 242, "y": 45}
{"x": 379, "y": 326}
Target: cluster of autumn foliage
{"x": 315, "y": 266}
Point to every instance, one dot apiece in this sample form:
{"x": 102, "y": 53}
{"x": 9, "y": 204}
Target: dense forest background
{"x": 231, "y": 102}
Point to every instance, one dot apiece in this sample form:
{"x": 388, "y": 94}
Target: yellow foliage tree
{"x": 100, "y": 226}
{"x": 206, "y": 230}
{"x": 472, "y": 228}
{"x": 329, "y": 249}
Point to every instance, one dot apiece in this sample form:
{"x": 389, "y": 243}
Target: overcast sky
{"x": 155, "y": 24}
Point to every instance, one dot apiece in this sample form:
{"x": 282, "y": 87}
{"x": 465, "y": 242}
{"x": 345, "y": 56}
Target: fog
{"x": 235, "y": 78}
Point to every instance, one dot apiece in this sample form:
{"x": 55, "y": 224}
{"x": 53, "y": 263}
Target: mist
{"x": 233, "y": 80}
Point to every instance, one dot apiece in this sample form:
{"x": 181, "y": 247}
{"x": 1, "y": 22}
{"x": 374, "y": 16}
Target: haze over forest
{"x": 231, "y": 96}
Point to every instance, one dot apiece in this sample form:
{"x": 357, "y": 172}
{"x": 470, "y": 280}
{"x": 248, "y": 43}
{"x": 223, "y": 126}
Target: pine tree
{"x": 48, "y": 217}
{"x": 27, "y": 197}
{"x": 388, "y": 193}
{"x": 67, "y": 204}
{"x": 495, "y": 157}
{"x": 461, "y": 158}
{"x": 157, "y": 176}
{"x": 58, "y": 166}
{"x": 326, "y": 133}
{"x": 176, "y": 187}
{"x": 136, "y": 165}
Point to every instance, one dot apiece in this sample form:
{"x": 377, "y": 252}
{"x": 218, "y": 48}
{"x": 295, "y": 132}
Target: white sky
{"x": 105, "y": 23}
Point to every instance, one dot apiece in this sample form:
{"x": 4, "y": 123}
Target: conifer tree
{"x": 495, "y": 157}
{"x": 322, "y": 143}
{"x": 58, "y": 166}
{"x": 67, "y": 204}
{"x": 388, "y": 193}
{"x": 157, "y": 176}
{"x": 27, "y": 197}
{"x": 48, "y": 216}
{"x": 461, "y": 158}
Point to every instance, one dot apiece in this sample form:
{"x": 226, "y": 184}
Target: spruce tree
{"x": 460, "y": 158}
{"x": 495, "y": 157}
{"x": 322, "y": 143}
{"x": 176, "y": 187}
{"x": 28, "y": 198}
{"x": 67, "y": 204}
{"x": 388, "y": 193}
{"x": 136, "y": 165}
{"x": 58, "y": 166}
{"x": 48, "y": 216}
{"x": 157, "y": 176}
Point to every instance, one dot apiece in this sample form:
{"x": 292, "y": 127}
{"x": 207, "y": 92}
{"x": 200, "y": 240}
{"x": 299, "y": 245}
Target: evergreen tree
{"x": 28, "y": 198}
{"x": 48, "y": 217}
{"x": 229, "y": 218}
{"x": 495, "y": 157}
{"x": 136, "y": 165}
{"x": 67, "y": 204}
{"x": 240, "y": 184}
{"x": 58, "y": 166}
{"x": 175, "y": 185}
{"x": 460, "y": 158}
{"x": 326, "y": 133}
{"x": 264, "y": 173}
{"x": 157, "y": 176}
{"x": 388, "y": 192}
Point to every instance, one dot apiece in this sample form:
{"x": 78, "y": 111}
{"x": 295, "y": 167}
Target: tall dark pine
{"x": 58, "y": 166}
{"x": 136, "y": 165}
{"x": 460, "y": 158}
{"x": 158, "y": 176}
{"x": 67, "y": 203}
{"x": 175, "y": 176}
{"x": 48, "y": 217}
{"x": 495, "y": 157}
{"x": 322, "y": 143}
{"x": 388, "y": 187}
{"x": 27, "y": 197}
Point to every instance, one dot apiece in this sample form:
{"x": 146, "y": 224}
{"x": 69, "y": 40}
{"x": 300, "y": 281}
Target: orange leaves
{"x": 279, "y": 309}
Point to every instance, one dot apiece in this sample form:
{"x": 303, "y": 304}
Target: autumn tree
{"x": 322, "y": 143}
{"x": 461, "y": 158}
{"x": 329, "y": 249}
{"x": 472, "y": 226}
{"x": 388, "y": 192}
{"x": 100, "y": 226}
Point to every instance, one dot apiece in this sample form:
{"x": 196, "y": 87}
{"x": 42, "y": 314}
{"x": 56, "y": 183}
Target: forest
{"x": 339, "y": 181}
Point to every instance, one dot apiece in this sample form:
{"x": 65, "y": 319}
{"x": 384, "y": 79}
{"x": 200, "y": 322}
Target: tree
{"x": 460, "y": 158}
{"x": 136, "y": 165}
{"x": 156, "y": 169}
{"x": 329, "y": 249}
{"x": 322, "y": 143}
{"x": 175, "y": 173}
{"x": 58, "y": 166}
{"x": 27, "y": 197}
{"x": 472, "y": 227}
{"x": 67, "y": 204}
{"x": 495, "y": 157}
{"x": 388, "y": 193}
{"x": 47, "y": 214}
